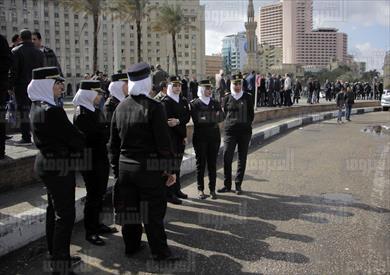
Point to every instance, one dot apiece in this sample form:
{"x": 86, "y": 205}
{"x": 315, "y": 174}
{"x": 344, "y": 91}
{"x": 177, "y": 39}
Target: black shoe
{"x": 23, "y": 142}
{"x": 181, "y": 195}
{"x": 238, "y": 190}
{"x": 131, "y": 252}
{"x": 75, "y": 260}
{"x": 201, "y": 195}
{"x": 104, "y": 229}
{"x": 224, "y": 190}
{"x": 213, "y": 195}
{"x": 168, "y": 258}
{"x": 174, "y": 200}
{"x": 95, "y": 240}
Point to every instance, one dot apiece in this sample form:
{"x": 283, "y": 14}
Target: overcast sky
{"x": 367, "y": 23}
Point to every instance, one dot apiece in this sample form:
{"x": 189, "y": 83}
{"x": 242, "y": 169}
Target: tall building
{"x": 233, "y": 52}
{"x": 250, "y": 27}
{"x": 289, "y": 24}
{"x": 213, "y": 64}
{"x": 270, "y": 25}
{"x": 269, "y": 56}
{"x": 305, "y": 46}
{"x": 70, "y": 35}
{"x": 386, "y": 71}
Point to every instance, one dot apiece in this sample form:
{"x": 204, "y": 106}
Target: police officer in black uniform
{"x": 141, "y": 157}
{"x": 239, "y": 115}
{"x": 91, "y": 121}
{"x": 178, "y": 113}
{"x": 206, "y": 113}
{"x": 118, "y": 92}
{"x": 59, "y": 142}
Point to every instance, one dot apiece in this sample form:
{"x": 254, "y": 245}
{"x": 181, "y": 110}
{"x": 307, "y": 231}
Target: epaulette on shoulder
{"x": 153, "y": 99}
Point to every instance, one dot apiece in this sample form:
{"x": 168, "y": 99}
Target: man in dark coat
{"x": 50, "y": 58}
{"x": 5, "y": 57}
{"x": 25, "y": 58}
{"x": 158, "y": 76}
{"x": 194, "y": 87}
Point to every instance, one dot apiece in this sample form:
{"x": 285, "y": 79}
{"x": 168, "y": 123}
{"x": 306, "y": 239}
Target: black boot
{"x": 95, "y": 240}
{"x": 174, "y": 200}
{"x": 224, "y": 190}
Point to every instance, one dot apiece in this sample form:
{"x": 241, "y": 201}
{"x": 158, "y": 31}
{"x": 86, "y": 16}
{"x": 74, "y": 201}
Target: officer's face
{"x": 237, "y": 86}
{"x": 176, "y": 88}
{"x": 58, "y": 88}
{"x": 97, "y": 99}
{"x": 207, "y": 91}
{"x": 125, "y": 88}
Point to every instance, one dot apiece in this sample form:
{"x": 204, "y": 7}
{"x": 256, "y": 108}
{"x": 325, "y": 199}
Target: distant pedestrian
{"x": 340, "y": 102}
{"x": 349, "y": 101}
{"x": 297, "y": 91}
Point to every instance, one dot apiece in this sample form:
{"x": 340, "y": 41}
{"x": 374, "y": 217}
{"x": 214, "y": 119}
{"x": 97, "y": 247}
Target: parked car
{"x": 385, "y": 102}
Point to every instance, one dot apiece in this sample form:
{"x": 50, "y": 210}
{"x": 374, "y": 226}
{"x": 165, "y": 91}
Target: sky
{"x": 367, "y": 23}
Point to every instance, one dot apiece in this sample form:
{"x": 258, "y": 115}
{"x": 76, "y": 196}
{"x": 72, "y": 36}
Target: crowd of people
{"x": 277, "y": 91}
{"x": 135, "y": 124}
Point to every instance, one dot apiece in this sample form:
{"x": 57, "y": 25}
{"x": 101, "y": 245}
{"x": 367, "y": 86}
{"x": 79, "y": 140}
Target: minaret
{"x": 250, "y": 27}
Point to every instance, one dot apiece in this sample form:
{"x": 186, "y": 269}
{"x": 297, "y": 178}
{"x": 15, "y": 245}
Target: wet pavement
{"x": 378, "y": 130}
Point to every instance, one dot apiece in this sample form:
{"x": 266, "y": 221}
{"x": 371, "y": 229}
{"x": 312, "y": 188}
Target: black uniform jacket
{"x": 95, "y": 128}
{"x": 109, "y": 107}
{"x": 179, "y": 111}
{"x": 239, "y": 114}
{"x": 139, "y": 134}
{"x": 54, "y": 135}
{"x": 206, "y": 119}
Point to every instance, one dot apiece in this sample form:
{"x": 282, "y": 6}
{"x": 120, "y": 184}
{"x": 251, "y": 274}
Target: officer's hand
{"x": 185, "y": 141}
{"x": 172, "y": 122}
{"x": 171, "y": 180}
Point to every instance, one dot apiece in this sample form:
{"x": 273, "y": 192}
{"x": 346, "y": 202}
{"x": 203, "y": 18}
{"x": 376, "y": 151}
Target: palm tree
{"x": 171, "y": 20}
{"x": 130, "y": 11}
{"x": 90, "y": 7}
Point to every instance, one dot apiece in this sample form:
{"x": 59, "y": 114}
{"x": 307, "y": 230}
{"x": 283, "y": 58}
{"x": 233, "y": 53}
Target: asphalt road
{"x": 316, "y": 201}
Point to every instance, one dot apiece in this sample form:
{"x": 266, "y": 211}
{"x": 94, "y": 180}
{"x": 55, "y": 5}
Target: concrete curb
{"x": 23, "y": 228}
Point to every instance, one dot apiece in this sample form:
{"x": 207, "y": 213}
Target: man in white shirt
{"x": 287, "y": 91}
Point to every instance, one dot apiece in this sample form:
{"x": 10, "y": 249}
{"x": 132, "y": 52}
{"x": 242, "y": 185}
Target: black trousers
{"x": 206, "y": 152}
{"x": 140, "y": 198}
{"x": 96, "y": 184}
{"x": 230, "y": 142}
{"x": 282, "y": 98}
{"x": 60, "y": 217}
{"x": 23, "y": 108}
{"x": 287, "y": 98}
{"x": 270, "y": 99}
{"x": 3, "y": 95}
{"x": 179, "y": 148}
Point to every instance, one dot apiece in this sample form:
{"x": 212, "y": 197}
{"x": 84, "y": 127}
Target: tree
{"x": 93, "y": 8}
{"x": 171, "y": 20}
{"x": 130, "y": 11}
{"x": 370, "y": 75}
